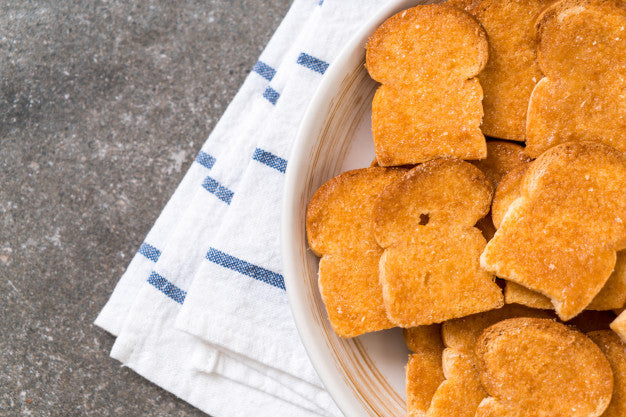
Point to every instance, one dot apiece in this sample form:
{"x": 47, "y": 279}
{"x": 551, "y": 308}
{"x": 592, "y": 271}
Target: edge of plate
{"x": 310, "y": 128}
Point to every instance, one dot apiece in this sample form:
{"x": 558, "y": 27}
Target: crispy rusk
{"x": 561, "y": 236}
{"x": 534, "y": 366}
{"x": 424, "y": 371}
{"x": 429, "y": 104}
{"x": 425, "y": 222}
{"x": 461, "y": 392}
{"x": 582, "y": 52}
{"x": 512, "y": 71}
{"x": 615, "y": 350}
{"x": 339, "y": 230}
{"x": 502, "y": 157}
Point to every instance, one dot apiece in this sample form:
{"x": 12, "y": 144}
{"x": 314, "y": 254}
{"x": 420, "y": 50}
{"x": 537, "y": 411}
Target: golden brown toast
{"x": 582, "y": 52}
{"x": 615, "y": 351}
{"x": 425, "y": 222}
{"x": 507, "y": 191}
{"x": 461, "y": 4}
{"x": 512, "y": 71}
{"x": 429, "y": 104}
{"x": 561, "y": 236}
{"x": 534, "y": 366}
{"x": 461, "y": 392}
{"x": 339, "y": 230}
{"x": 424, "y": 371}
{"x": 423, "y": 337}
{"x": 461, "y": 334}
{"x": 612, "y": 295}
{"x": 502, "y": 157}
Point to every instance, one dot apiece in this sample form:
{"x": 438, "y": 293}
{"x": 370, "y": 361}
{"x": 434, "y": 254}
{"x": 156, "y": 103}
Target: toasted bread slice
{"x": 339, "y": 230}
{"x": 502, "y": 157}
{"x": 561, "y": 236}
{"x": 512, "y": 71}
{"x": 507, "y": 191}
{"x": 461, "y": 392}
{"x": 424, "y": 371}
{"x": 615, "y": 350}
{"x": 409, "y": 128}
{"x": 423, "y": 338}
{"x": 461, "y": 334}
{"x": 425, "y": 222}
{"x": 534, "y": 366}
{"x": 581, "y": 51}
{"x": 429, "y": 104}
{"x": 612, "y": 295}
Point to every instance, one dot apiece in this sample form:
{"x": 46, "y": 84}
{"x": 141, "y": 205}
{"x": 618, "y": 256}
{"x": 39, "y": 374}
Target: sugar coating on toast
{"x": 430, "y": 270}
{"x": 535, "y": 366}
{"x": 507, "y": 191}
{"x": 512, "y": 70}
{"x": 461, "y": 392}
{"x": 502, "y": 157}
{"x": 461, "y": 4}
{"x": 582, "y": 52}
{"x": 338, "y": 223}
{"x": 615, "y": 351}
{"x": 462, "y": 333}
{"x": 424, "y": 371}
{"x": 611, "y": 296}
{"x": 561, "y": 236}
{"x": 429, "y": 103}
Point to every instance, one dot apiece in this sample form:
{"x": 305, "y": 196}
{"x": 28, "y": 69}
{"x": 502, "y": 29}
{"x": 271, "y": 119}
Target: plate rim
{"x": 343, "y": 396}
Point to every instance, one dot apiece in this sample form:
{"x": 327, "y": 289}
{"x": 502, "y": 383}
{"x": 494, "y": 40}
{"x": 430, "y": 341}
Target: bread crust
{"x": 535, "y": 365}
{"x": 338, "y": 223}
{"x": 429, "y": 270}
{"x": 429, "y": 103}
{"x": 561, "y": 236}
{"x": 582, "y": 52}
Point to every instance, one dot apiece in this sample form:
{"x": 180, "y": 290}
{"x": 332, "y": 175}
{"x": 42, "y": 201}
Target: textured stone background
{"x": 103, "y": 105}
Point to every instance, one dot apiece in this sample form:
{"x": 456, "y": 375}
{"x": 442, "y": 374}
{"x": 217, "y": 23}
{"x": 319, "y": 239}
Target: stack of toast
{"x": 492, "y": 224}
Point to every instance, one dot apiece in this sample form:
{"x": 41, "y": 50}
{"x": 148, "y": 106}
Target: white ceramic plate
{"x": 365, "y": 375}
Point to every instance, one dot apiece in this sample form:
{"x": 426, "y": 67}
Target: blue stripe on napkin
{"x": 205, "y": 160}
{"x": 271, "y": 95}
{"x": 246, "y": 268}
{"x": 149, "y": 251}
{"x": 264, "y": 70}
{"x": 217, "y": 189}
{"x": 270, "y": 160}
{"x": 167, "y": 288}
{"x": 312, "y": 63}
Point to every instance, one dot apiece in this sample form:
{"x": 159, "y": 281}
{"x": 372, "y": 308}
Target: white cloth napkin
{"x": 201, "y": 310}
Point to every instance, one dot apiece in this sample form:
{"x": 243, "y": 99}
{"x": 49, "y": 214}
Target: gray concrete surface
{"x": 103, "y": 105}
